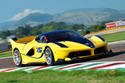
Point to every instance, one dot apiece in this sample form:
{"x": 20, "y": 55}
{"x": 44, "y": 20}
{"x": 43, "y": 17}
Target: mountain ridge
{"x": 87, "y": 16}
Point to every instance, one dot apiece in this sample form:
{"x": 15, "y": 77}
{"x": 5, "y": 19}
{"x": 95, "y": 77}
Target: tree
{"x": 4, "y": 34}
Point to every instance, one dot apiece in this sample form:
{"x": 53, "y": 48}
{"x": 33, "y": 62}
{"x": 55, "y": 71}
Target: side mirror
{"x": 87, "y": 32}
{"x": 41, "y": 39}
{"x": 37, "y": 39}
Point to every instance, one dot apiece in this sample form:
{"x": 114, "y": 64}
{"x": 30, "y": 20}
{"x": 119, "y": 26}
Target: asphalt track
{"x": 118, "y": 49}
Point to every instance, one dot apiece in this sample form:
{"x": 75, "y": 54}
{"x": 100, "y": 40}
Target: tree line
{"x": 28, "y": 30}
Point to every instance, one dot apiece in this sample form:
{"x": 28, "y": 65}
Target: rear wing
{"x": 26, "y": 39}
{"x": 20, "y": 42}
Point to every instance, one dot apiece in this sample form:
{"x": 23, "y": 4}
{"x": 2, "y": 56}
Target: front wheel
{"x": 109, "y": 53}
{"x": 49, "y": 56}
{"x": 17, "y": 58}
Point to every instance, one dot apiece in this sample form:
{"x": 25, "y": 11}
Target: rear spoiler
{"x": 23, "y": 40}
{"x": 26, "y": 39}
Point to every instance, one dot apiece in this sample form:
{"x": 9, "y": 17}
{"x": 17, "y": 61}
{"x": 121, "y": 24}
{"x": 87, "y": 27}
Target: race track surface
{"x": 118, "y": 49}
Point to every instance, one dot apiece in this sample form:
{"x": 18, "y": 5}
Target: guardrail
{"x": 5, "y": 47}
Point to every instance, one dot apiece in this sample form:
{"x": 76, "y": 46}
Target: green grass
{"x": 5, "y": 54}
{"x": 47, "y": 76}
{"x": 115, "y": 36}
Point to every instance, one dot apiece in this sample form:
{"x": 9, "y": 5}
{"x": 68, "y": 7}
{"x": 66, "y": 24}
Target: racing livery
{"x": 55, "y": 46}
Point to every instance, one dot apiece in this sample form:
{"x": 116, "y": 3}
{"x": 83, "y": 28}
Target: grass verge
{"x": 5, "y": 54}
{"x": 115, "y": 36}
{"x": 51, "y": 76}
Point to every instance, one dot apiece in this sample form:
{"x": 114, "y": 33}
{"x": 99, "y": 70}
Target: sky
{"x": 16, "y": 9}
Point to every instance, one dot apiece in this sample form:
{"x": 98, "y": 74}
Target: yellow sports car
{"x": 56, "y": 46}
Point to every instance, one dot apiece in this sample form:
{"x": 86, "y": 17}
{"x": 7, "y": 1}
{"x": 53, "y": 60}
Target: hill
{"x": 87, "y": 16}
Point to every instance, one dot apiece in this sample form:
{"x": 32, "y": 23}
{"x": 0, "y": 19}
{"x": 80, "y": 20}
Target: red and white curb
{"x": 70, "y": 67}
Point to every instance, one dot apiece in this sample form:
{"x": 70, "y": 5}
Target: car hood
{"x": 71, "y": 44}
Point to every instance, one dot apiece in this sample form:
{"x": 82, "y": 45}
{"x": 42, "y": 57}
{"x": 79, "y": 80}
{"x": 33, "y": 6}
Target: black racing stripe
{"x": 61, "y": 45}
{"x": 89, "y": 43}
{"x": 100, "y": 37}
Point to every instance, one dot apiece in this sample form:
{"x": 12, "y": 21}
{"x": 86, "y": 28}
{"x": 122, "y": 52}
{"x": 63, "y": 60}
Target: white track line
{"x": 71, "y": 66}
{"x": 1, "y": 70}
{"x": 106, "y": 63}
{"x": 115, "y": 66}
{"x": 17, "y": 69}
{"x": 65, "y": 66}
{"x": 117, "y": 42}
{"x": 84, "y": 64}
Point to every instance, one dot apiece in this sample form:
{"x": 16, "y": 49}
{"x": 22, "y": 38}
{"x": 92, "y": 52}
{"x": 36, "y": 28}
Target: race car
{"x": 56, "y": 46}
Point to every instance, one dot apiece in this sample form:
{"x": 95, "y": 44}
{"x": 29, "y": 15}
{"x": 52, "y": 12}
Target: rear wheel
{"x": 17, "y": 58}
{"x": 49, "y": 56}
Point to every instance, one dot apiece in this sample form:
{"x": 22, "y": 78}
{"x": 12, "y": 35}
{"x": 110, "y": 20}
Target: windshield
{"x": 57, "y": 36}
{"x": 63, "y": 36}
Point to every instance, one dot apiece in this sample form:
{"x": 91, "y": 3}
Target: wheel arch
{"x": 15, "y": 49}
{"x": 51, "y": 50}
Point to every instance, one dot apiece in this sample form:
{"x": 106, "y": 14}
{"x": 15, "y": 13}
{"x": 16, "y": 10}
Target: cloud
{"x": 25, "y": 13}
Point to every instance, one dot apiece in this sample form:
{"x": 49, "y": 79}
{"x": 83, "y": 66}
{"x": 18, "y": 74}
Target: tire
{"x": 17, "y": 58}
{"x": 49, "y": 56}
{"x": 109, "y": 53}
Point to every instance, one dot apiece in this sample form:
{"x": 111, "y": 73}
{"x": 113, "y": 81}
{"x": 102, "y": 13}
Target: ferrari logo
{"x": 39, "y": 49}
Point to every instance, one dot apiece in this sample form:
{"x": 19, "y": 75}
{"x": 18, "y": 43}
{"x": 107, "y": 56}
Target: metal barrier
{"x": 4, "y": 47}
